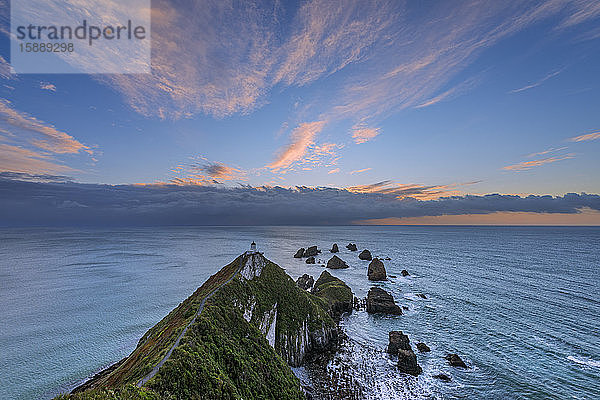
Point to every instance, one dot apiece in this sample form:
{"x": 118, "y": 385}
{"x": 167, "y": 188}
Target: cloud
{"x": 201, "y": 171}
{"x": 48, "y": 86}
{"x": 526, "y": 165}
{"x": 415, "y": 191}
{"x": 40, "y": 178}
{"x": 48, "y": 137}
{"x": 586, "y": 137}
{"x": 301, "y": 138}
{"x": 28, "y": 203}
{"x": 362, "y": 134}
{"x": 333, "y": 171}
{"x": 551, "y": 150}
{"x": 536, "y": 84}
{"x": 18, "y": 159}
{"x": 360, "y": 171}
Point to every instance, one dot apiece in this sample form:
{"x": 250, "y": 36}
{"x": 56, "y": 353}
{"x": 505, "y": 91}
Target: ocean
{"x": 521, "y": 305}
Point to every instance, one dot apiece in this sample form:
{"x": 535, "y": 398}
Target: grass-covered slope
{"x": 239, "y": 346}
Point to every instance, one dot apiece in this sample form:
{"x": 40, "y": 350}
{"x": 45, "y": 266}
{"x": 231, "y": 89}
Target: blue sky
{"x": 445, "y": 97}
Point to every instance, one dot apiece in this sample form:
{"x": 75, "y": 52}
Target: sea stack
{"x": 399, "y": 345}
{"x": 336, "y": 263}
{"x": 352, "y": 247}
{"x": 365, "y": 255}
{"x": 299, "y": 253}
{"x": 380, "y": 301}
{"x": 334, "y": 248}
{"x": 311, "y": 251}
{"x": 376, "y": 271}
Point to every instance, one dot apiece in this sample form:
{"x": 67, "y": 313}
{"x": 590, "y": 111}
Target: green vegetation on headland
{"x": 241, "y": 344}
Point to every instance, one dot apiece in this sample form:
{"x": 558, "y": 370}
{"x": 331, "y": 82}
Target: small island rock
{"x": 404, "y": 272}
{"x": 310, "y": 260}
{"x": 455, "y": 360}
{"x": 443, "y": 377}
{"x": 380, "y": 301}
{"x": 351, "y": 247}
{"x": 365, "y": 255}
{"x": 311, "y": 251}
{"x": 376, "y": 271}
{"x": 334, "y": 248}
{"x": 305, "y": 282}
{"x": 299, "y": 253}
{"x": 397, "y": 341}
{"x": 421, "y": 295}
{"x": 422, "y": 347}
{"x": 336, "y": 263}
{"x": 407, "y": 362}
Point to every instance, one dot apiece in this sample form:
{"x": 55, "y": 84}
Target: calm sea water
{"x": 520, "y": 305}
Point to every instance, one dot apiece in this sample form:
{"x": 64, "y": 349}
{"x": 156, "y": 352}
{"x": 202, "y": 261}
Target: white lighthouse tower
{"x": 253, "y": 248}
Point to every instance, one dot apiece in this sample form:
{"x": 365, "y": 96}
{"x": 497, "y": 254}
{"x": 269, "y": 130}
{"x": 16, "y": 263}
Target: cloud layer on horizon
{"x": 62, "y": 203}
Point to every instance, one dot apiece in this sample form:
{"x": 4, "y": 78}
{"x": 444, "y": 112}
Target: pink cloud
{"x": 301, "y": 138}
{"x": 362, "y": 134}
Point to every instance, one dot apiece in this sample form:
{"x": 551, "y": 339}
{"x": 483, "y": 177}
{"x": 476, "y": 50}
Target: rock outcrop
{"x": 335, "y": 292}
{"x": 399, "y": 345}
{"x": 397, "y": 341}
{"x": 235, "y": 337}
{"x": 376, "y": 271}
{"x": 310, "y": 260}
{"x": 443, "y": 377}
{"x": 421, "y": 295}
{"x": 404, "y": 272}
{"x": 423, "y": 348}
{"x": 455, "y": 360}
{"x": 334, "y": 248}
{"x": 407, "y": 362}
{"x": 336, "y": 263}
{"x": 365, "y": 255}
{"x": 351, "y": 247}
{"x": 380, "y": 301}
{"x": 299, "y": 253}
{"x": 305, "y": 282}
{"x": 311, "y": 251}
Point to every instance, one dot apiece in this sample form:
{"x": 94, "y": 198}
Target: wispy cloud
{"x": 526, "y": 165}
{"x": 536, "y": 84}
{"x": 48, "y": 86}
{"x": 360, "y": 171}
{"x": 49, "y": 138}
{"x": 202, "y": 171}
{"x": 18, "y": 159}
{"x": 334, "y": 171}
{"x": 415, "y": 191}
{"x": 586, "y": 137}
{"x": 362, "y": 134}
{"x": 551, "y": 150}
{"x": 301, "y": 138}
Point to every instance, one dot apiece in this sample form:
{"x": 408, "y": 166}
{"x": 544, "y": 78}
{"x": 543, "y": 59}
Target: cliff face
{"x": 254, "y": 324}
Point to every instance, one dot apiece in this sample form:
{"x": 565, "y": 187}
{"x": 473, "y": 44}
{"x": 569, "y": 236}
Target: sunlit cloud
{"x": 415, "y": 191}
{"x": 202, "y": 171}
{"x": 301, "y": 138}
{"x": 527, "y": 165}
{"x": 586, "y": 137}
{"x": 551, "y": 150}
{"x": 48, "y": 86}
{"x": 536, "y": 84}
{"x": 333, "y": 171}
{"x": 362, "y": 134}
{"x": 18, "y": 159}
{"x": 360, "y": 171}
{"x": 48, "y": 137}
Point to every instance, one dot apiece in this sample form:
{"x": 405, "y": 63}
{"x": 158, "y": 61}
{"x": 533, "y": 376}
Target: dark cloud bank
{"x": 25, "y": 202}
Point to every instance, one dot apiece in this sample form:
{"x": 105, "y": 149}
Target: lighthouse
{"x": 253, "y": 248}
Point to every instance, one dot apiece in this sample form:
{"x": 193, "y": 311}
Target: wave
{"x": 585, "y": 361}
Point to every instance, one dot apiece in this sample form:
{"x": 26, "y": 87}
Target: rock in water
{"x": 380, "y": 301}
{"x": 404, "y": 272}
{"x": 455, "y": 360}
{"x": 376, "y": 271}
{"x": 336, "y": 263}
{"x": 443, "y": 377}
{"x": 365, "y": 255}
{"x": 299, "y": 253}
{"x": 421, "y": 295}
{"x": 407, "y": 362}
{"x": 334, "y": 248}
{"x": 335, "y": 292}
{"x": 310, "y": 260}
{"x": 423, "y": 348}
{"x": 397, "y": 341}
{"x": 311, "y": 251}
{"x": 351, "y": 247}
{"x": 305, "y": 282}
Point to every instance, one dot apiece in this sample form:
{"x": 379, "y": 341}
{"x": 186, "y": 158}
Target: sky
{"x": 391, "y": 106}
